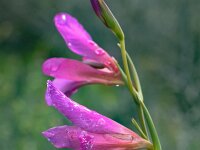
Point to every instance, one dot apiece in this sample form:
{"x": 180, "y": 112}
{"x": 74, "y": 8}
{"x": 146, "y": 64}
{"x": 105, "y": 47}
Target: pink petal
{"x": 63, "y": 136}
{"x": 83, "y": 117}
{"x": 73, "y": 33}
{"x": 80, "y": 42}
{"x": 77, "y": 71}
{"x": 76, "y": 138}
{"x": 68, "y": 87}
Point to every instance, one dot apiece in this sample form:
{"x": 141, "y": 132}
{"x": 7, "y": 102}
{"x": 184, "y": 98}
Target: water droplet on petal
{"x": 92, "y": 43}
{"x": 99, "y": 52}
{"x": 76, "y": 105}
{"x": 71, "y": 109}
{"x": 86, "y": 141}
{"x": 101, "y": 122}
{"x": 54, "y": 68}
{"x": 69, "y": 44}
{"x": 108, "y": 63}
{"x": 61, "y": 19}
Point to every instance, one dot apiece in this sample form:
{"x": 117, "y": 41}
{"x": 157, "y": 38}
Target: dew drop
{"x": 69, "y": 44}
{"x": 61, "y": 19}
{"x": 92, "y": 43}
{"x": 71, "y": 108}
{"x": 86, "y": 141}
{"x": 108, "y": 63}
{"x": 54, "y": 68}
{"x": 99, "y": 52}
{"x": 101, "y": 122}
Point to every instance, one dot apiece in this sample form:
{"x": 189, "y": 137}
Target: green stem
{"x": 126, "y": 68}
{"x": 138, "y": 96}
{"x": 129, "y": 83}
{"x": 139, "y": 129}
{"x": 139, "y": 89}
{"x": 135, "y": 76}
{"x": 152, "y": 129}
{"x": 142, "y": 120}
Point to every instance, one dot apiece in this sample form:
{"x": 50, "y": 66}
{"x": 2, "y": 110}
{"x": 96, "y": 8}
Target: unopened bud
{"x": 106, "y": 16}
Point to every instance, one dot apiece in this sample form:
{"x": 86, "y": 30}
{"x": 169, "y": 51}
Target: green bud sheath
{"x": 106, "y": 16}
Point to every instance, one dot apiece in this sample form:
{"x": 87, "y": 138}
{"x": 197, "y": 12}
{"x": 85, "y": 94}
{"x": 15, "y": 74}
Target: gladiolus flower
{"x": 97, "y": 65}
{"x": 91, "y": 130}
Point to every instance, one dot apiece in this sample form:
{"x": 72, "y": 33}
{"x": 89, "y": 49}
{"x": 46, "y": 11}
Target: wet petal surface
{"x": 79, "y": 139}
{"x": 77, "y": 71}
{"x": 68, "y": 87}
{"x": 83, "y": 117}
{"x": 80, "y": 42}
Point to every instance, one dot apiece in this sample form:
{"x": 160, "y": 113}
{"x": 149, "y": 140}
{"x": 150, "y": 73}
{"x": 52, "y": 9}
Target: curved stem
{"x": 142, "y": 120}
{"x": 130, "y": 85}
{"x": 138, "y": 97}
{"x": 139, "y": 89}
{"x": 135, "y": 76}
{"x": 152, "y": 129}
{"x": 126, "y": 68}
{"x": 139, "y": 129}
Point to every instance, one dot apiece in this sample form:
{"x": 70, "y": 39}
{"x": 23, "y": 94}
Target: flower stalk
{"x": 137, "y": 95}
{"x": 126, "y": 68}
{"x": 90, "y": 130}
{"x": 152, "y": 129}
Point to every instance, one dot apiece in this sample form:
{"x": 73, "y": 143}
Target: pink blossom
{"x": 97, "y": 66}
{"x": 90, "y": 130}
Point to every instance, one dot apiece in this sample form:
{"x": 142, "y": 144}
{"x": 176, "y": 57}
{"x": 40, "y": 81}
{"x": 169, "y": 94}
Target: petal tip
{"x": 51, "y": 66}
{"x": 50, "y": 86}
{"x": 47, "y": 134}
{"x": 61, "y": 18}
{"x": 48, "y": 99}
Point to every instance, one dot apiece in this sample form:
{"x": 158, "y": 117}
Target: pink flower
{"x": 97, "y": 65}
{"x": 91, "y": 130}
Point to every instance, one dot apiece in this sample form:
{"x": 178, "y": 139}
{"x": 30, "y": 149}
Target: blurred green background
{"x": 163, "y": 37}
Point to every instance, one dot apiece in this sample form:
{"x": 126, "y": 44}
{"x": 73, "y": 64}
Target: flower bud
{"x": 106, "y": 16}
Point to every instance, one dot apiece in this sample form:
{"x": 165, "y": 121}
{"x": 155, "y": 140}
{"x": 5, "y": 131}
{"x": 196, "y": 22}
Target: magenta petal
{"x": 69, "y": 137}
{"x": 81, "y": 116}
{"x": 80, "y": 42}
{"x": 77, "y": 71}
{"x": 77, "y": 138}
{"x": 73, "y": 33}
{"x": 68, "y": 87}
{"x": 58, "y": 136}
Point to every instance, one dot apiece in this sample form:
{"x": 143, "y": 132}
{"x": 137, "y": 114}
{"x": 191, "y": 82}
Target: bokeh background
{"x": 163, "y": 37}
